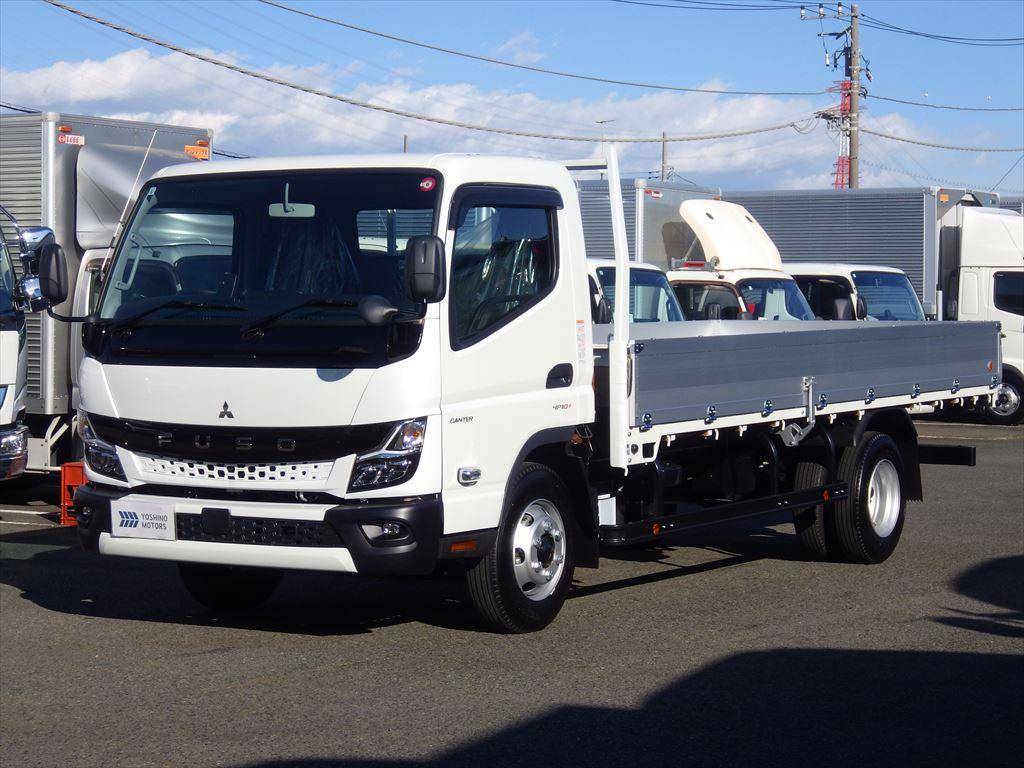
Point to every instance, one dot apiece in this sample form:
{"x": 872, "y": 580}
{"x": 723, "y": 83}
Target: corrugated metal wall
{"x": 1013, "y": 203}
{"x": 867, "y": 226}
{"x": 21, "y": 194}
{"x": 595, "y": 209}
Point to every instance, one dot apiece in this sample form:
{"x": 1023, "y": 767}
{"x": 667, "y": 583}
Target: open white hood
{"x": 728, "y": 233}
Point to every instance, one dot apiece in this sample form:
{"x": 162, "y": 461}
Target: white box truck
{"x": 387, "y": 364}
{"x": 13, "y": 365}
{"x": 73, "y": 174}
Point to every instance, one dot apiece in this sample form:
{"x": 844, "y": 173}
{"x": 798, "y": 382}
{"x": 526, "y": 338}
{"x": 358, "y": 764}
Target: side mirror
{"x": 862, "y": 309}
{"x": 713, "y": 311}
{"x": 425, "y": 268}
{"x": 53, "y": 274}
{"x": 34, "y": 238}
{"x": 843, "y": 310}
{"x": 29, "y": 296}
{"x": 602, "y": 311}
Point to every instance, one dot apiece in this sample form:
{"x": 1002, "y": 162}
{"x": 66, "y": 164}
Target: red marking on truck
{"x": 73, "y": 139}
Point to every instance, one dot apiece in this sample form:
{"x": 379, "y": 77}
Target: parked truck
{"x": 838, "y": 291}
{"x": 714, "y": 252}
{"x": 13, "y": 366}
{"x": 957, "y": 247}
{"x": 293, "y": 395}
{"x": 73, "y": 174}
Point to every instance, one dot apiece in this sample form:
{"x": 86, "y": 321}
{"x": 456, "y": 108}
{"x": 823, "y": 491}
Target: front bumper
{"x": 13, "y": 460}
{"x": 274, "y": 535}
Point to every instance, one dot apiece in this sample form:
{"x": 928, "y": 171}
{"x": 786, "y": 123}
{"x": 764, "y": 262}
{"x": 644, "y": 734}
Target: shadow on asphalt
{"x": 1000, "y": 583}
{"x": 50, "y": 569}
{"x": 806, "y": 707}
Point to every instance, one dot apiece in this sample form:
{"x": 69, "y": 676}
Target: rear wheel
{"x": 1007, "y": 405}
{"x": 229, "y": 587}
{"x": 869, "y": 521}
{"x": 521, "y": 584}
{"x": 810, "y": 521}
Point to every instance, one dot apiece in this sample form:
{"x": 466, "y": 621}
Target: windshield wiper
{"x": 258, "y": 325}
{"x": 128, "y": 322}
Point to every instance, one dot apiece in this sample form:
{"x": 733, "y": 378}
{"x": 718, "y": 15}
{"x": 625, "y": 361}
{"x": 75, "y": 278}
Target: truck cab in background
{"x": 17, "y": 299}
{"x": 651, "y": 298}
{"x": 721, "y": 255}
{"x": 982, "y": 278}
{"x": 856, "y": 291}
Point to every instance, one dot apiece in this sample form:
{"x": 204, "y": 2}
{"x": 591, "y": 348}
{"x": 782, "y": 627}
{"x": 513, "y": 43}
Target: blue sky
{"x": 74, "y": 66}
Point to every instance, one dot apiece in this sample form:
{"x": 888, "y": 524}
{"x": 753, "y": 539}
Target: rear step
{"x": 651, "y": 528}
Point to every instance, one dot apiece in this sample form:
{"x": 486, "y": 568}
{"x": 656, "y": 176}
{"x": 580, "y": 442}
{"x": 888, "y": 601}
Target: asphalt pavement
{"x": 724, "y": 647}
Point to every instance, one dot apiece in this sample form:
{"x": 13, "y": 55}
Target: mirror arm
{"x": 69, "y": 317}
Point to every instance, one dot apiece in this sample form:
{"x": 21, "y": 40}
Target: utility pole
{"x": 853, "y": 68}
{"x": 405, "y": 143}
{"x": 845, "y": 118}
{"x": 664, "y": 157}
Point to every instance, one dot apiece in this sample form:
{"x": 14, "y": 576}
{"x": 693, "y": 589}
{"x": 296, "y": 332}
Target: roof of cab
{"x": 834, "y": 268}
{"x": 496, "y": 167}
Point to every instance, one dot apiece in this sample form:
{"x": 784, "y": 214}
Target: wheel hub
{"x": 1006, "y": 400}
{"x": 884, "y": 497}
{"x": 538, "y": 549}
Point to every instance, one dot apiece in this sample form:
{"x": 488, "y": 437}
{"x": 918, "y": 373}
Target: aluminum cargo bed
{"x": 694, "y": 376}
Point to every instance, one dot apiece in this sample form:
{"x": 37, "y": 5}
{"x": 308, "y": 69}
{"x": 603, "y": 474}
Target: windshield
{"x": 697, "y": 299}
{"x": 888, "y": 296}
{"x": 224, "y": 252}
{"x": 651, "y": 298}
{"x": 6, "y": 280}
{"x": 774, "y": 299}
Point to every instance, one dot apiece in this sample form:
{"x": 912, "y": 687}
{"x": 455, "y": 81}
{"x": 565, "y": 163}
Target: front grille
{"x": 262, "y": 530}
{"x": 286, "y": 471}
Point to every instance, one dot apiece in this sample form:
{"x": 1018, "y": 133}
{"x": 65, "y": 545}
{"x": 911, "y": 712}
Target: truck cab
{"x": 723, "y": 253}
{"x": 651, "y": 299}
{"x": 982, "y": 278}
{"x": 13, "y": 371}
{"x": 837, "y": 291}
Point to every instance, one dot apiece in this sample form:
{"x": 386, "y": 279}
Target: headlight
{"x": 393, "y": 463}
{"x": 101, "y": 456}
{"x": 14, "y": 443}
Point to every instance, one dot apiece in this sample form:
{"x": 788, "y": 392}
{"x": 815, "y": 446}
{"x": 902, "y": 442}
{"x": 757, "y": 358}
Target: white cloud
{"x": 521, "y": 48}
{"x": 258, "y": 118}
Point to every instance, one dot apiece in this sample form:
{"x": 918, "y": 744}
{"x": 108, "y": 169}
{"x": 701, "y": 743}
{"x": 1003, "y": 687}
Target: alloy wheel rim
{"x": 884, "y": 497}
{"x": 538, "y": 549}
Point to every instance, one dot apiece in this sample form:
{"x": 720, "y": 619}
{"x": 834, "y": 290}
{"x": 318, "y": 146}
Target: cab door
{"x": 510, "y": 357}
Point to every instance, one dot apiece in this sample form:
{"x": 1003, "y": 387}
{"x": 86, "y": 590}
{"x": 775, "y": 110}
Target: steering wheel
{"x": 519, "y": 297}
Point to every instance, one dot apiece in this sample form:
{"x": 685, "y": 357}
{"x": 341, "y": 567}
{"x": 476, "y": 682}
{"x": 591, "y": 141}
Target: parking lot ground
{"x": 722, "y": 647}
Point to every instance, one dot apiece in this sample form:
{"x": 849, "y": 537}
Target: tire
{"x": 867, "y": 524}
{"x": 229, "y": 587}
{"x": 1007, "y": 406}
{"x": 810, "y": 521}
{"x": 537, "y": 508}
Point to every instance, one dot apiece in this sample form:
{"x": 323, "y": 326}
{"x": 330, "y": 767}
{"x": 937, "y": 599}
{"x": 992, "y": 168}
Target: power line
{"x": 1008, "y": 172}
{"x": 876, "y": 23}
{"x": 528, "y": 67}
{"x": 413, "y": 115}
{"x": 16, "y": 108}
{"x": 951, "y": 182}
{"x": 958, "y": 108}
{"x": 922, "y": 143}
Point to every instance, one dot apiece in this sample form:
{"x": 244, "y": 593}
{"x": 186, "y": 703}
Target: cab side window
{"x": 1008, "y": 292}
{"x": 503, "y": 262}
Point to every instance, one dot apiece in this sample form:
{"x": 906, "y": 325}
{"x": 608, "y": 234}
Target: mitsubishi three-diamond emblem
{"x": 225, "y": 412}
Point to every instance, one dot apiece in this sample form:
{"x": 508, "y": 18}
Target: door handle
{"x": 560, "y": 376}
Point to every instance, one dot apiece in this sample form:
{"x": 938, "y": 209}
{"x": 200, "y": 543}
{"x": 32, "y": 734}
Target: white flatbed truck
{"x": 298, "y": 396}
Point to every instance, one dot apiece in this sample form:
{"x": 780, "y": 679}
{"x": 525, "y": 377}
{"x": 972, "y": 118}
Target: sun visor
{"x": 105, "y": 177}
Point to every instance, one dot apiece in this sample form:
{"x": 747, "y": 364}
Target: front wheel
{"x": 229, "y": 587}
{"x": 521, "y": 584}
{"x": 1007, "y": 405}
{"x": 869, "y": 521}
